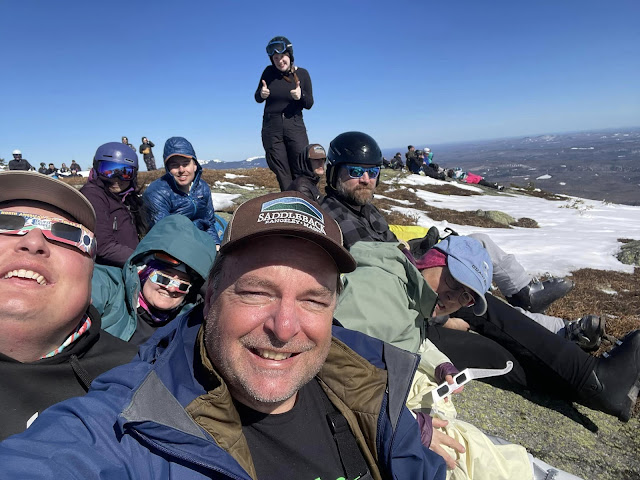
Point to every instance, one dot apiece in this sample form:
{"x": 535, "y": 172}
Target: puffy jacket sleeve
{"x": 109, "y": 249}
{"x": 210, "y": 214}
{"x": 157, "y": 198}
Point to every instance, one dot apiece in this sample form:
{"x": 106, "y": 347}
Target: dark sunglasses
{"x": 57, "y": 229}
{"x": 276, "y": 47}
{"x": 116, "y": 170}
{"x": 356, "y": 171}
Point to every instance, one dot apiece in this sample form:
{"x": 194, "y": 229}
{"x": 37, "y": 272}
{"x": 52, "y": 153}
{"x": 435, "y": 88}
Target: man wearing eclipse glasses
{"x": 51, "y": 346}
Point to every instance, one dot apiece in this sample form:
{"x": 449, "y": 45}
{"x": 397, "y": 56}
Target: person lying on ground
{"x": 112, "y": 189}
{"x": 455, "y": 276}
{"x": 182, "y": 190}
{"x": 160, "y": 281}
{"x": 401, "y": 293}
{"x": 51, "y": 347}
{"x": 472, "y": 178}
{"x": 227, "y": 390}
{"x": 353, "y": 173}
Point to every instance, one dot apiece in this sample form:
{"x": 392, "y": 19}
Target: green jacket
{"x": 387, "y": 297}
{"x": 114, "y": 291}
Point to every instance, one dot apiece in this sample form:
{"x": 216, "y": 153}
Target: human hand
{"x": 439, "y": 440}
{"x": 264, "y": 91}
{"x": 296, "y": 93}
{"x": 456, "y": 324}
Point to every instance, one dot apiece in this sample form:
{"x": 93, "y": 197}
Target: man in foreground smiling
{"x": 51, "y": 345}
{"x": 266, "y": 388}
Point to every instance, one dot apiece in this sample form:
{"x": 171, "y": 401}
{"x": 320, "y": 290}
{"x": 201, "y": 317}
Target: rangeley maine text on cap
{"x": 292, "y": 210}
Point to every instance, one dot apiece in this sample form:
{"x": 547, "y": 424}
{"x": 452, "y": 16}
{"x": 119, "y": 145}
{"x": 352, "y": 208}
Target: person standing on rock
{"x": 286, "y": 90}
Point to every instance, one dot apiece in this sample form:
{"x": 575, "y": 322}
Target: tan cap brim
{"x": 19, "y": 185}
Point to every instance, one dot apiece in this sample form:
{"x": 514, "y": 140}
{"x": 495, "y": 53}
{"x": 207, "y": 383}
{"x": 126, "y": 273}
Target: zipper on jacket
{"x": 115, "y": 224}
{"x": 386, "y": 401}
{"x": 171, "y": 453}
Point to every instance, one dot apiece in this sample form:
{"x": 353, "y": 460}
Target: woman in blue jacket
{"x": 181, "y": 190}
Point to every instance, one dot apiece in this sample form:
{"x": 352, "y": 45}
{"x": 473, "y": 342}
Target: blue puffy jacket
{"x": 133, "y": 423}
{"x": 163, "y": 197}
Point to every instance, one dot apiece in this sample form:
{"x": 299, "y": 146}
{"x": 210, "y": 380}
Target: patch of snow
{"x": 223, "y": 201}
{"x": 562, "y": 183}
{"x": 608, "y": 291}
{"x": 225, "y": 184}
{"x": 581, "y": 148}
{"x": 231, "y": 176}
{"x": 544, "y": 177}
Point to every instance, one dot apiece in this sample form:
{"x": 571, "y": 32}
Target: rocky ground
{"x": 581, "y": 441}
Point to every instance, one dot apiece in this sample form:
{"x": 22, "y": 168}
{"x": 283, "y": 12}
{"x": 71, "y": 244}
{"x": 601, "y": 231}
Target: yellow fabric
{"x": 408, "y": 232}
{"x": 482, "y": 459}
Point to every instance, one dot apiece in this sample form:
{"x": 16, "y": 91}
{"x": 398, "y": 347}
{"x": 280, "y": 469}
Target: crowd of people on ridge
{"x": 305, "y": 313}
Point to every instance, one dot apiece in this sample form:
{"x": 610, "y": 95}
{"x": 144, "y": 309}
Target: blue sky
{"x": 79, "y": 74}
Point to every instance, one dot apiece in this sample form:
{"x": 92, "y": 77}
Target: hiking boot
{"x": 587, "y": 332}
{"x": 538, "y": 295}
{"x": 612, "y": 387}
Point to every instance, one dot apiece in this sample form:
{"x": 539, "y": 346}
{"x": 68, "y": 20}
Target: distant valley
{"x": 600, "y": 165}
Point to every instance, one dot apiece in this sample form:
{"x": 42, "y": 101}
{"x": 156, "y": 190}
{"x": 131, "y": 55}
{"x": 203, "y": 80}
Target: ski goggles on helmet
{"x": 57, "y": 229}
{"x": 161, "y": 279}
{"x": 277, "y": 46}
{"x": 356, "y": 171}
{"x": 116, "y": 170}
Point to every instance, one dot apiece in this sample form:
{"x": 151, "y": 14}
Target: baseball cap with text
{"x": 287, "y": 214}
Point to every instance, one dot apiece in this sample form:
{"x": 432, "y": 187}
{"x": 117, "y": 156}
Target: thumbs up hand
{"x": 264, "y": 91}
{"x": 296, "y": 93}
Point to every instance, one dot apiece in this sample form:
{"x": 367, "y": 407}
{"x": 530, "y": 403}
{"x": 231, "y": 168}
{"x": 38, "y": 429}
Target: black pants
{"x": 542, "y": 361}
{"x": 150, "y": 162}
{"x": 284, "y": 139}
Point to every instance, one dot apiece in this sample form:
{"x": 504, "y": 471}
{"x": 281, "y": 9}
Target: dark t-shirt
{"x": 295, "y": 444}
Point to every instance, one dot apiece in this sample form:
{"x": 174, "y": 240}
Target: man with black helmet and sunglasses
{"x": 353, "y": 172}
{"x": 286, "y": 90}
{"x": 52, "y": 345}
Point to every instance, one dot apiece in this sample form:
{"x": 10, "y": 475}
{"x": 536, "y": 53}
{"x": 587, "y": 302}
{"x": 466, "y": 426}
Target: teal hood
{"x": 115, "y": 291}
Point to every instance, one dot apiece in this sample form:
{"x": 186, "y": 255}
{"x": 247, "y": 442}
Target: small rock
{"x": 497, "y": 216}
{"x": 630, "y": 253}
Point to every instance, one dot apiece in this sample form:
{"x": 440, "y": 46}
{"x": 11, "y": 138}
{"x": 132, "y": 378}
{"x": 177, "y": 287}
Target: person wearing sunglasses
{"x": 353, "y": 172}
{"x": 286, "y": 90}
{"x": 160, "y": 281}
{"x": 52, "y": 345}
{"x": 458, "y": 269}
{"x": 113, "y": 191}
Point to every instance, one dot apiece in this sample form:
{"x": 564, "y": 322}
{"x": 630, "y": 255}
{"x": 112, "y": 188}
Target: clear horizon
{"x": 407, "y": 73}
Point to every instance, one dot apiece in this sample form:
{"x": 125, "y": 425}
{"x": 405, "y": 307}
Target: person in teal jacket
{"x": 132, "y": 310}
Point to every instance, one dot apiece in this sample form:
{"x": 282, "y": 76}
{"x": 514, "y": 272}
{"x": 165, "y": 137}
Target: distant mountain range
{"x": 252, "y": 162}
{"x": 600, "y": 165}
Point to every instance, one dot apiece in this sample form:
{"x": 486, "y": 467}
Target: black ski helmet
{"x": 277, "y": 41}
{"x": 351, "y": 148}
